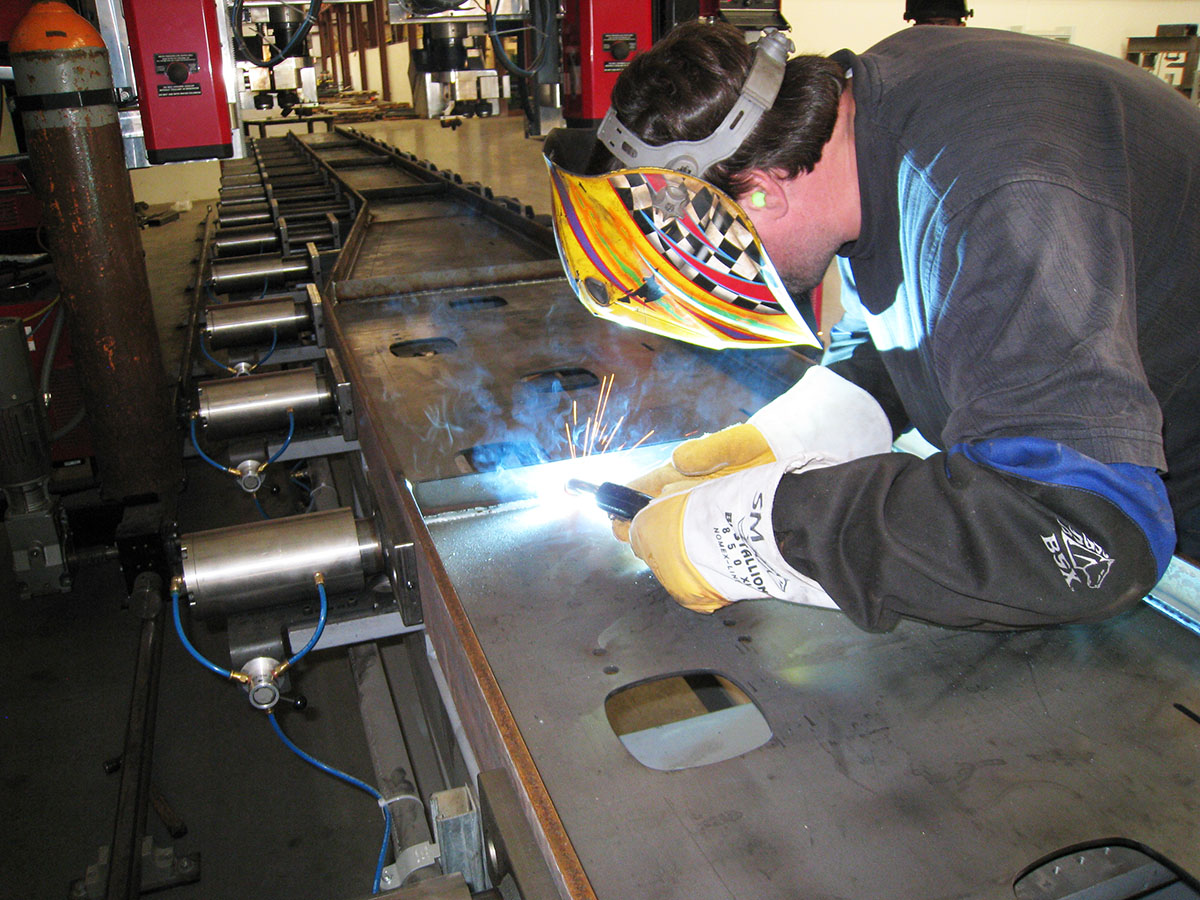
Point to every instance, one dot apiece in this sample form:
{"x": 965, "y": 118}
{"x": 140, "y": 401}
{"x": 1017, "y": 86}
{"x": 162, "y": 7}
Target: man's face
{"x": 798, "y": 245}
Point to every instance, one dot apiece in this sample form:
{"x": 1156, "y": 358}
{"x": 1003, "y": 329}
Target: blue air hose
{"x": 187, "y": 645}
{"x": 351, "y": 780}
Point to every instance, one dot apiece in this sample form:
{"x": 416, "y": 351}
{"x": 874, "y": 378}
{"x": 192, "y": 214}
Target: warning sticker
{"x": 162, "y": 60}
{"x": 178, "y": 90}
{"x": 626, "y": 37}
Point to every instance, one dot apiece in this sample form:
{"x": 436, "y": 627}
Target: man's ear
{"x": 765, "y": 196}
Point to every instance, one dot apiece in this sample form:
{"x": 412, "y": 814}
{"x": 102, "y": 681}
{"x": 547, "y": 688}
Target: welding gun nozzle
{"x": 579, "y": 486}
{"x": 618, "y": 501}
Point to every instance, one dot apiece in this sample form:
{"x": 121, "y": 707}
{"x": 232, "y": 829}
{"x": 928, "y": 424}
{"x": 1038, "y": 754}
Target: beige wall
{"x": 176, "y": 181}
{"x": 8, "y": 140}
{"x": 823, "y": 26}
{"x": 398, "y": 71}
{"x": 397, "y": 57}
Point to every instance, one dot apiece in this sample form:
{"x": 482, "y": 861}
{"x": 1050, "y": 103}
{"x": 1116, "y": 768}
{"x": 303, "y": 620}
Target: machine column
{"x": 65, "y": 94}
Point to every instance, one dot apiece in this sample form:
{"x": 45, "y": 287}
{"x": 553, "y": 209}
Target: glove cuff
{"x": 730, "y": 541}
{"x": 824, "y": 410}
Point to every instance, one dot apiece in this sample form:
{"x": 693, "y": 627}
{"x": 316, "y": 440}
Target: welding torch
{"x": 618, "y": 501}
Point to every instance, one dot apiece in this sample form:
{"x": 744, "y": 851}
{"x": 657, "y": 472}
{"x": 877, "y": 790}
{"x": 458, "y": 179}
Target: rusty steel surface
{"x": 924, "y": 763}
{"x": 98, "y": 259}
{"x": 79, "y": 173}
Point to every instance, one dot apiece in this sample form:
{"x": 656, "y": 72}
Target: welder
{"x": 1017, "y": 226}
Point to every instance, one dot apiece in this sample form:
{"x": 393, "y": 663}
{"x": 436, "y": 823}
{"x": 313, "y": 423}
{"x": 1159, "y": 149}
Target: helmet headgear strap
{"x": 695, "y": 157}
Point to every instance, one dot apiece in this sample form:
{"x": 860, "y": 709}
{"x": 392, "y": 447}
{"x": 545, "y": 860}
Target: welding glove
{"x": 822, "y": 412}
{"x": 711, "y": 542}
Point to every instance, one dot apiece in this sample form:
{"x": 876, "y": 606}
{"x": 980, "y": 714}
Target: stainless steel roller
{"x": 283, "y": 171}
{"x": 313, "y": 207}
{"x": 246, "y": 179}
{"x": 253, "y": 272}
{"x": 246, "y": 567}
{"x": 241, "y": 192}
{"x": 245, "y": 239}
{"x": 232, "y": 407}
{"x": 295, "y": 181}
{"x": 255, "y": 322}
{"x": 243, "y": 212}
{"x": 263, "y": 238}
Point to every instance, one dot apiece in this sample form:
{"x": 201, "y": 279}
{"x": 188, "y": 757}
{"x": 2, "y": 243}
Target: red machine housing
{"x": 20, "y": 210}
{"x": 176, "y": 49}
{"x": 599, "y": 38}
{"x": 11, "y": 12}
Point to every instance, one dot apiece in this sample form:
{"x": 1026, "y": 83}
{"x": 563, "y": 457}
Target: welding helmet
{"x": 655, "y": 247}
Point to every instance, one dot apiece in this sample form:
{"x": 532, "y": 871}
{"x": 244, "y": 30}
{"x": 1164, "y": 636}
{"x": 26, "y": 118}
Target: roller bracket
{"x": 343, "y": 396}
{"x": 318, "y": 313}
{"x": 404, "y": 581}
{"x": 314, "y": 262}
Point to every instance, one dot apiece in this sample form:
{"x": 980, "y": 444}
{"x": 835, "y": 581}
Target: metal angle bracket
{"x": 317, "y": 308}
{"x": 402, "y": 561}
{"x": 343, "y": 395}
{"x": 161, "y": 868}
{"x": 335, "y": 228}
{"x": 314, "y": 262}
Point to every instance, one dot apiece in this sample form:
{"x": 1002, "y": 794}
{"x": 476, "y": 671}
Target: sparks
{"x": 598, "y": 435}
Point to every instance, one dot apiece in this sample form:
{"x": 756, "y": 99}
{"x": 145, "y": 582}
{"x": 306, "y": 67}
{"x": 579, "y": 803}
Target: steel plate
{"x": 434, "y": 407}
{"x": 925, "y": 763}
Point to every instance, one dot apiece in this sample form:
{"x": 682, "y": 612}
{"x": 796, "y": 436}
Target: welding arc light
{"x": 618, "y": 501}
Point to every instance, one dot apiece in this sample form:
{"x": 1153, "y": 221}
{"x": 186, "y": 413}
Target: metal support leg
{"x": 389, "y": 752}
{"x": 125, "y": 861}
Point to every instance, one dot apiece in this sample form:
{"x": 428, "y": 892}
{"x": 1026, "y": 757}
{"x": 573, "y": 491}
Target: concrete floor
{"x": 493, "y": 151}
{"x": 266, "y": 824}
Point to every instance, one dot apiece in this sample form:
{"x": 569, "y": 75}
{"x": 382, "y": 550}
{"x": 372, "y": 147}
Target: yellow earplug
{"x": 758, "y": 199}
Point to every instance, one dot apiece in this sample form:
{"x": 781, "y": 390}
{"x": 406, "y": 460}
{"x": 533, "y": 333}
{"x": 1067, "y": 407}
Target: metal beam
{"x": 360, "y": 44}
{"x": 381, "y": 41}
{"x": 343, "y": 48}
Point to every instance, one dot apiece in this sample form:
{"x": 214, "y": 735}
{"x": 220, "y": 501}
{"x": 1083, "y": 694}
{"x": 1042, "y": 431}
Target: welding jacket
{"x": 1025, "y": 291}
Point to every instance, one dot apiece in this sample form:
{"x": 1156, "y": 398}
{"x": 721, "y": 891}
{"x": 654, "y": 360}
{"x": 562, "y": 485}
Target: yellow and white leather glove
{"x": 822, "y": 412}
{"x": 711, "y": 543}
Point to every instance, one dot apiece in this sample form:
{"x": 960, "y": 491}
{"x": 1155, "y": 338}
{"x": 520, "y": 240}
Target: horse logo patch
{"x": 1080, "y": 559}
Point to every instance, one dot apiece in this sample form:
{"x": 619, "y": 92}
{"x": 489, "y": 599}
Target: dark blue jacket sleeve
{"x": 998, "y": 534}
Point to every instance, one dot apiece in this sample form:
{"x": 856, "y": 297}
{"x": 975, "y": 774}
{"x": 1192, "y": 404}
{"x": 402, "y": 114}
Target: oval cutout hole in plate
{"x": 1111, "y": 869}
{"x": 422, "y": 348}
{"x": 684, "y": 721}
{"x": 470, "y": 304}
{"x": 501, "y": 455}
{"x": 554, "y": 381}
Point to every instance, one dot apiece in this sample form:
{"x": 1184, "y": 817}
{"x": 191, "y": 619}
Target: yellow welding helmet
{"x": 653, "y": 246}
{"x": 668, "y": 253}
